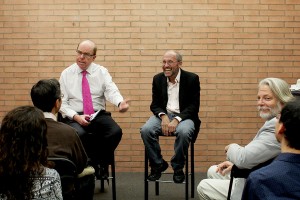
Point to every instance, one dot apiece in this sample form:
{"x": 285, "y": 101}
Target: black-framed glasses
{"x": 85, "y": 55}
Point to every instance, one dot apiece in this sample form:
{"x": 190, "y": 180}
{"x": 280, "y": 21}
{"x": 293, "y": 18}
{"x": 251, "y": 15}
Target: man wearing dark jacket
{"x": 63, "y": 141}
{"x": 175, "y": 105}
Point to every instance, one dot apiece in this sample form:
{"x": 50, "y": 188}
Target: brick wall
{"x": 230, "y": 44}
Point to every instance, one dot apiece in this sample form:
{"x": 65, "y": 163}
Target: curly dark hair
{"x": 23, "y": 151}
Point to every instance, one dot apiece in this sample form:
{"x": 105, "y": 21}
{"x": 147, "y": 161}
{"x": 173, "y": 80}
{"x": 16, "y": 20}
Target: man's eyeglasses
{"x": 170, "y": 62}
{"x": 85, "y": 55}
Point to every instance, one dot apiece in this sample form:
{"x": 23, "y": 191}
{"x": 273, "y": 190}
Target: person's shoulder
{"x": 271, "y": 123}
{"x": 72, "y": 68}
{"x": 263, "y": 173}
{"x": 62, "y": 127}
{"x": 51, "y": 174}
{"x": 188, "y": 73}
{"x": 66, "y": 127}
{"x": 159, "y": 75}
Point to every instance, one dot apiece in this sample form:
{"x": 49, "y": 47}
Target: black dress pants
{"x": 100, "y": 138}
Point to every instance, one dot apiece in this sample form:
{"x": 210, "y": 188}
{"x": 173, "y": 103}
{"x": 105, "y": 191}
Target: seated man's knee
{"x": 211, "y": 172}
{"x": 117, "y": 131}
{"x": 145, "y": 131}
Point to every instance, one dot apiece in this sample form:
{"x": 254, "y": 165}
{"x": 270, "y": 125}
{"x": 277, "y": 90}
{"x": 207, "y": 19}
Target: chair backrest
{"x": 68, "y": 174}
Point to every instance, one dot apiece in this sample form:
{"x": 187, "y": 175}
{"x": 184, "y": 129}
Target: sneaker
{"x": 155, "y": 173}
{"x": 178, "y": 176}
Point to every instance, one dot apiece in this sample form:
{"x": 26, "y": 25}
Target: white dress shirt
{"x": 101, "y": 85}
{"x": 173, "y": 97}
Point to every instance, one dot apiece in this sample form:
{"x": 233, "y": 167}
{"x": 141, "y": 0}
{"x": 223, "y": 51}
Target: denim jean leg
{"x": 149, "y": 133}
{"x": 184, "y": 134}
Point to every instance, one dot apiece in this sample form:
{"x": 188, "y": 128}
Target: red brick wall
{"x": 230, "y": 44}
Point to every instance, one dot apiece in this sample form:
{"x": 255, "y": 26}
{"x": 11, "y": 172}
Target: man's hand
{"x": 168, "y": 128}
{"x": 164, "y": 124}
{"x": 224, "y": 167}
{"x": 172, "y": 126}
{"x": 83, "y": 120}
{"x": 124, "y": 105}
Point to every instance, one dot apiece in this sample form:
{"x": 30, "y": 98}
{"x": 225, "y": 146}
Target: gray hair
{"x": 279, "y": 88}
{"x": 177, "y": 55}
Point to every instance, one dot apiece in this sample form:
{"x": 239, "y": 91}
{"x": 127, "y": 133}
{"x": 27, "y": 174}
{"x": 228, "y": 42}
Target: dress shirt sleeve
{"x": 65, "y": 109}
{"x": 262, "y": 148}
{"x": 112, "y": 93}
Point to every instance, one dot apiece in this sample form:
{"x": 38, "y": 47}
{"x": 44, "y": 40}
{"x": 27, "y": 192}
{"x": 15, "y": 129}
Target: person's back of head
{"x": 45, "y": 93}
{"x": 23, "y": 151}
{"x": 279, "y": 88}
{"x": 290, "y": 118}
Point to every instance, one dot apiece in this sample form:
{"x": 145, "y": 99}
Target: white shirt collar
{"x": 50, "y": 115}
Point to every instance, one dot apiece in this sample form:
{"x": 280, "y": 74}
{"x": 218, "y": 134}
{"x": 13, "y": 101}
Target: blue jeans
{"x": 184, "y": 134}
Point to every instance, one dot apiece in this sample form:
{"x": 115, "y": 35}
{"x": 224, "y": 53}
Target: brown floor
{"x": 130, "y": 186}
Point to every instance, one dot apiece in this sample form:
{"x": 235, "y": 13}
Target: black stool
{"x": 112, "y": 173}
{"x": 111, "y": 176}
{"x": 187, "y": 174}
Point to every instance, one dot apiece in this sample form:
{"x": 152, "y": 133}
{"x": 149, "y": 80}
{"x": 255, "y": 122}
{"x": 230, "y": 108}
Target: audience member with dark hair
{"x": 63, "y": 141}
{"x": 280, "y": 179}
{"x": 23, "y": 157}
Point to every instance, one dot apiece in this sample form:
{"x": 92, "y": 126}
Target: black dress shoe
{"x": 178, "y": 176}
{"x": 104, "y": 171}
{"x": 156, "y": 171}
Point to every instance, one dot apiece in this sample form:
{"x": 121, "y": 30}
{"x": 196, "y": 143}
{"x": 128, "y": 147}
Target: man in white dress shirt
{"x": 106, "y": 133}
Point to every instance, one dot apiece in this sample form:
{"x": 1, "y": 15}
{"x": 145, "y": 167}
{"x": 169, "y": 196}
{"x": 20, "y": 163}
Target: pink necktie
{"x": 86, "y": 95}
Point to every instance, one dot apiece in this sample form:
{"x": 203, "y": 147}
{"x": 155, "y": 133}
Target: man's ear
{"x": 281, "y": 129}
{"x": 57, "y": 104}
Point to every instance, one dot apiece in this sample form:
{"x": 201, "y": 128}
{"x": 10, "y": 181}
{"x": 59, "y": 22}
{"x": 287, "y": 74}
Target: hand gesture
{"x": 124, "y": 106}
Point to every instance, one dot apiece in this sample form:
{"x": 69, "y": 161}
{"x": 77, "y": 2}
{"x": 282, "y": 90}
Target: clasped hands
{"x": 168, "y": 128}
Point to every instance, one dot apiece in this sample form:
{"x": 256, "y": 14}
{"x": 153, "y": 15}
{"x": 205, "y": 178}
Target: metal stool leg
{"x": 187, "y": 176}
{"x": 192, "y": 171}
{"x": 113, "y": 173}
{"x": 113, "y": 178}
{"x": 146, "y": 177}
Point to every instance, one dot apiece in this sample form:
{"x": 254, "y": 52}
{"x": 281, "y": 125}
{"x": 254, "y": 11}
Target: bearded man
{"x": 273, "y": 94}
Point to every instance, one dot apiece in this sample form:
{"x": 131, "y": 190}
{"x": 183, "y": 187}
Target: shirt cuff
{"x": 178, "y": 118}
{"x": 160, "y": 114}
